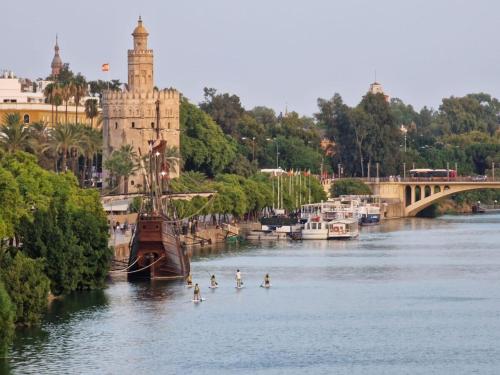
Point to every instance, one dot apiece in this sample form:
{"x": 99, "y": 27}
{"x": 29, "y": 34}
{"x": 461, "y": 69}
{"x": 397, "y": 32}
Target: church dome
{"x": 140, "y": 30}
{"x": 56, "y": 62}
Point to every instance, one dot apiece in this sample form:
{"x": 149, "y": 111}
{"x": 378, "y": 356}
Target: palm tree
{"x": 49, "y": 92}
{"x": 66, "y": 92}
{"x": 14, "y": 134}
{"x": 65, "y": 140}
{"x": 92, "y": 145}
{"x": 91, "y": 110}
{"x": 39, "y": 137}
{"x": 80, "y": 90}
{"x": 122, "y": 164}
{"x": 172, "y": 159}
{"x": 57, "y": 99}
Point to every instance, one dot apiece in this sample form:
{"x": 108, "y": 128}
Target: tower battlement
{"x": 140, "y": 113}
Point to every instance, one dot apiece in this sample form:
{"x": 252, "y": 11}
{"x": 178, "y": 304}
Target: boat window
{"x": 313, "y": 225}
{"x": 319, "y": 225}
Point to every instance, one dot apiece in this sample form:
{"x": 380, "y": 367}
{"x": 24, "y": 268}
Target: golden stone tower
{"x": 140, "y": 112}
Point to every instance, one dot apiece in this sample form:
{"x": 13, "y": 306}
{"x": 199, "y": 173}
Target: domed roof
{"x": 56, "y": 61}
{"x": 140, "y": 30}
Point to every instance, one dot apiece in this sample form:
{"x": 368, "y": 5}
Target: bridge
{"x": 407, "y": 197}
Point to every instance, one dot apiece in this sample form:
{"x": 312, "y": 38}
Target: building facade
{"x": 140, "y": 112}
{"x": 26, "y": 97}
{"x": 376, "y": 88}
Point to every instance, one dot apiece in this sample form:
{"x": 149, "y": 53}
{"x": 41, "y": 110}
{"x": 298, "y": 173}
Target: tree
{"x": 7, "y": 316}
{"x": 204, "y": 147}
{"x": 469, "y": 113}
{"x": 66, "y": 141}
{"x": 91, "y": 146}
{"x": 27, "y": 286}
{"x": 79, "y": 91}
{"x": 91, "y": 110}
{"x": 349, "y": 187}
{"x": 14, "y": 135}
{"x": 122, "y": 164}
{"x": 225, "y": 109}
{"x": 384, "y": 138}
{"x": 66, "y": 91}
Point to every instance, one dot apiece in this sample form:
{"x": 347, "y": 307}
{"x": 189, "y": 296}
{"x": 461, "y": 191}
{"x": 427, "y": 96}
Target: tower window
{"x": 133, "y": 124}
{"x": 132, "y": 182}
{"x": 153, "y": 125}
{"x": 116, "y": 125}
{"x": 168, "y": 125}
{"x": 26, "y": 119}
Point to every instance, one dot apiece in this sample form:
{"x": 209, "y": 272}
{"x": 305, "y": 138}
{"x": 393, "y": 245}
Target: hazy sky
{"x": 270, "y": 52}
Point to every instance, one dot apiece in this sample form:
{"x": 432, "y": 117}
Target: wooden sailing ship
{"x": 155, "y": 248}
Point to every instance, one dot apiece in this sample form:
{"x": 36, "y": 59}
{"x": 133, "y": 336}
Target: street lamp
{"x": 277, "y": 150}
{"x": 253, "y": 146}
{"x": 404, "y": 130}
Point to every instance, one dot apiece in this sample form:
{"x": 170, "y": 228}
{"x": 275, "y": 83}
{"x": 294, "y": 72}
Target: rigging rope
{"x": 195, "y": 213}
{"x": 149, "y": 265}
{"x": 125, "y": 269}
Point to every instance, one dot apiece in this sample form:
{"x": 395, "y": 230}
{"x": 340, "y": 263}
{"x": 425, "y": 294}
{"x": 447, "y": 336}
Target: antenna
{"x": 375, "y": 75}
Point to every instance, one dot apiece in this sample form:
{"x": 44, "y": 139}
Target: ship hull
{"x": 156, "y": 252}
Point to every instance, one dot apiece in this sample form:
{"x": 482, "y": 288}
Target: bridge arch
{"x": 427, "y": 191}
{"x": 441, "y": 192}
{"x": 408, "y": 195}
{"x": 418, "y": 193}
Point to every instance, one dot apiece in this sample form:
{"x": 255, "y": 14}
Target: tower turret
{"x": 57, "y": 63}
{"x": 140, "y": 61}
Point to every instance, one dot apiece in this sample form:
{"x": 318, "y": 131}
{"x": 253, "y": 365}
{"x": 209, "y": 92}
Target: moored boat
{"x": 155, "y": 249}
{"x": 343, "y": 229}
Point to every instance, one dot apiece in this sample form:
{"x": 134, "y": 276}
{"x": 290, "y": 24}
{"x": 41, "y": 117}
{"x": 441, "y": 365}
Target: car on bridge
{"x": 479, "y": 178}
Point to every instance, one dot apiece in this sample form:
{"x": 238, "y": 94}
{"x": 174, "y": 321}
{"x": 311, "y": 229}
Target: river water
{"x": 416, "y": 296}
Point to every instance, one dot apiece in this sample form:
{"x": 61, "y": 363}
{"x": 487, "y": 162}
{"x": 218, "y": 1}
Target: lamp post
{"x": 253, "y": 146}
{"x": 404, "y": 130}
{"x": 404, "y": 171}
{"x": 493, "y": 170}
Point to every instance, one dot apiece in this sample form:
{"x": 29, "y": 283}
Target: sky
{"x": 277, "y": 53}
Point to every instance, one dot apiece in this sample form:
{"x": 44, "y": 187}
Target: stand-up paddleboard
{"x": 213, "y": 286}
{"x": 189, "y": 286}
{"x": 239, "y": 287}
{"x": 198, "y": 300}
{"x": 265, "y": 286}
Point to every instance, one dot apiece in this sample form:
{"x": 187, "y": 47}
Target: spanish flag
{"x": 105, "y": 67}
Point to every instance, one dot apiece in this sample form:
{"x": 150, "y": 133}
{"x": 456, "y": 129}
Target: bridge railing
{"x": 422, "y": 179}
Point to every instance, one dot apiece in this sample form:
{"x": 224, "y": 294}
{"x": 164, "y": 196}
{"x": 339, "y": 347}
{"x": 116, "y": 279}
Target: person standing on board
{"x": 239, "y": 283}
{"x": 213, "y": 282}
{"x": 267, "y": 281}
{"x": 197, "y": 293}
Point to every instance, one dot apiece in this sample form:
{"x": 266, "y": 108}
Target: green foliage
{"x": 349, "y": 187}
{"x": 56, "y": 221}
{"x": 225, "y": 109}
{"x": 122, "y": 164}
{"x": 365, "y": 134}
{"x": 14, "y": 135}
{"x": 27, "y": 286}
{"x": 204, "y": 147}
{"x": 11, "y": 205}
{"x": 7, "y": 317}
{"x": 135, "y": 205}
